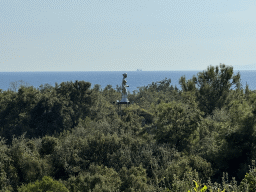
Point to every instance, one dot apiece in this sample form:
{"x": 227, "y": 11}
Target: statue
{"x": 124, "y": 91}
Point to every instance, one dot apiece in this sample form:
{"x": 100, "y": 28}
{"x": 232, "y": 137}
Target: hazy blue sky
{"x": 125, "y": 35}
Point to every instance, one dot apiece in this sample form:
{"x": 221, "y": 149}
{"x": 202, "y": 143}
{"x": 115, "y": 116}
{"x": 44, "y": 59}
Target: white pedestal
{"x": 124, "y": 98}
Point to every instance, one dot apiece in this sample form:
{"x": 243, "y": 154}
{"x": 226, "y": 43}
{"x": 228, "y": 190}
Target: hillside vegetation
{"x": 71, "y": 136}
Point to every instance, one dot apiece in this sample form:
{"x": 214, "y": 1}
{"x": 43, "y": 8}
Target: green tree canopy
{"x": 213, "y": 86}
{"x": 47, "y": 184}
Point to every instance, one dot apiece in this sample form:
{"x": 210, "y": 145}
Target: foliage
{"x": 48, "y": 145}
{"x": 97, "y": 178}
{"x": 166, "y": 140}
{"x": 26, "y": 163}
{"x": 5, "y": 183}
{"x": 176, "y": 123}
{"x": 197, "y": 189}
{"x": 46, "y": 184}
{"x": 134, "y": 179}
{"x": 212, "y": 86}
{"x": 249, "y": 181}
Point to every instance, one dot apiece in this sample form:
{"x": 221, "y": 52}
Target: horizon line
{"x": 111, "y": 71}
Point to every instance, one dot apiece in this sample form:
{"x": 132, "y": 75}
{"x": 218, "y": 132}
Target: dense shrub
{"x": 96, "y": 178}
{"x": 44, "y": 185}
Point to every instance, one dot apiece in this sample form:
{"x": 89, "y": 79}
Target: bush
{"x": 45, "y": 185}
{"x": 249, "y": 181}
{"x": 134, "y": 179}
{"x": 48, "y": 145}
{"x": 98, "y": 178}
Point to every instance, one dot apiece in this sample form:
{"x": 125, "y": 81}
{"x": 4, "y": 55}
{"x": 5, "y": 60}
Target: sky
{"x": 125, "y": 35}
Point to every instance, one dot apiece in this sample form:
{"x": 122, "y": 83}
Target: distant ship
{"x": 139, "y": 69}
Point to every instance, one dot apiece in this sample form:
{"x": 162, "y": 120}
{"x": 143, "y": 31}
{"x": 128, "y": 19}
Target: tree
{"x": 188, "y": 85}
{"x": 15, "y": 111}
{"x": 50, "y": 115}
{"x": 212, "y": 86}
{"x": 4, "y": 162}
{"x": 134, "y": 179}
{"x": 98, "y": 178}
{"x": 240, "y": 138}
{"x": 176, "y": 123}
{"x": 48, "y": 145}
{"x": 78, "y": 96}
{"x": 45, "y": 185}
{"x": 26, "y": 160}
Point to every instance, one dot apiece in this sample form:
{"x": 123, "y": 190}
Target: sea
{"x": 135, "y": 79}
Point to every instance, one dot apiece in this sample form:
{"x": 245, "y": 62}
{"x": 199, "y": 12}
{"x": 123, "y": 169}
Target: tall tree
{"x": 78, "y": 96}
{"x": 176, "y": 123}
{"x": 212, "y": 86}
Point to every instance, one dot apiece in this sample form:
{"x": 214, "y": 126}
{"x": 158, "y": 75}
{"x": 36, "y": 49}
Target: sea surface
{"x": 135, "y": 79}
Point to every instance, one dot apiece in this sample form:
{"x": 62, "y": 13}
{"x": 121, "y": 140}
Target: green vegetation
{"x": 46, "y": 184}
{"x": 71, "y": 137}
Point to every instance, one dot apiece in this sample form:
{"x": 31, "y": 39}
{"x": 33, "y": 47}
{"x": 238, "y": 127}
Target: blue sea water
{"x": 135, "y": 79}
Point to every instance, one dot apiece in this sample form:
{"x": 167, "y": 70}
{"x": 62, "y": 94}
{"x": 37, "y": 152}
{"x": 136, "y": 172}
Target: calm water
{"x": 134, "y": 80}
